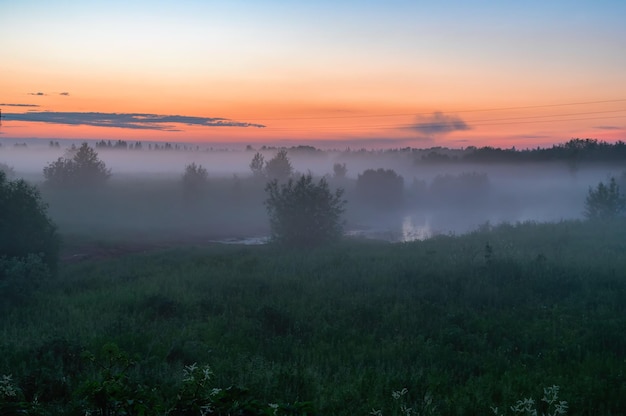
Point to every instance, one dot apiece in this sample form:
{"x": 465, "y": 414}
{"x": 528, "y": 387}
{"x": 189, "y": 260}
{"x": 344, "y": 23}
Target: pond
{"x": 410, "y": 229}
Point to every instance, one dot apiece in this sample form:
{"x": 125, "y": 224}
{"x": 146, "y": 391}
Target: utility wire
{"x": 435, "y": 125}
{"x": 431, "y": 112}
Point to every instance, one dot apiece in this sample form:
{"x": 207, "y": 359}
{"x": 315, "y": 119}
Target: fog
{"x": 144, "y": 198}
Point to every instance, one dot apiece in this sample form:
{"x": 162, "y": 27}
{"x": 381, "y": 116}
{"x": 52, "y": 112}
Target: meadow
{"x": 463, "y": 323}
{"x": 148, "y": 315}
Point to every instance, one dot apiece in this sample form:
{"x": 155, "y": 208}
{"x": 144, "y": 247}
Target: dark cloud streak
{"x": 139, "y": 121}
{"x": 439, "y": 123}
{"x": 608, "y": 127}
{"x": 18, "y": 105}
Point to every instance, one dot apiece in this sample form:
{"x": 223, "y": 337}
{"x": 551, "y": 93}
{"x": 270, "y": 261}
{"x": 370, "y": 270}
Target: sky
{"x": 373, "y": 74}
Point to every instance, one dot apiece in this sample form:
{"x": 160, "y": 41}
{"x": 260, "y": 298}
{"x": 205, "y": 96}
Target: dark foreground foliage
{"x": 462, "y": 323}
{"x": 29, "y": 244}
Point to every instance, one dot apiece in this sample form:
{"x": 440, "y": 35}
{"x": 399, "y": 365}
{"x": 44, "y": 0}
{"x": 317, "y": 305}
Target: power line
{"x": 431, "y": 112}
{"x": 435, "y": 125}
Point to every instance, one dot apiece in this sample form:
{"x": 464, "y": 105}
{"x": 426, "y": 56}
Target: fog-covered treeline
{"x": 396, "y": 194}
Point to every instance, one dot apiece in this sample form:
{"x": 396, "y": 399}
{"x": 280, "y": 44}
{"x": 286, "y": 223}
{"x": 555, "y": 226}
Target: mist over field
{"x": 312, "y": 208}
{"x": 439, "y": 192}
{"x": 472, "y": 276}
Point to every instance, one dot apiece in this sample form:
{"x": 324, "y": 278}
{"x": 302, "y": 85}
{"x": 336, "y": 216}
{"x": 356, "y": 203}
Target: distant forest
{"x": 573, "y": 151}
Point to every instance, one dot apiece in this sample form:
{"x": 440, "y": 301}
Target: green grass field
{"x": 463, "y": 323}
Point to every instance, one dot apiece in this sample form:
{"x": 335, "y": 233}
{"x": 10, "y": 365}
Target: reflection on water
{"x": 412, "y": 232}
{"x": 413, "y": 228}
{"x": 246, "y": 241}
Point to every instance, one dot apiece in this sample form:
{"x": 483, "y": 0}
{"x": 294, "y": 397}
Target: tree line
{"x": 574, "y": 152}
{"x": 302, "y": 212}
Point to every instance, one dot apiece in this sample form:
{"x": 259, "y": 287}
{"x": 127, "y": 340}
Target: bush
{"x": 82, "y": 169}
{"x": 604, "y": 202}
{"x": 304, "y": 214}
{"x": 25, "y": 227}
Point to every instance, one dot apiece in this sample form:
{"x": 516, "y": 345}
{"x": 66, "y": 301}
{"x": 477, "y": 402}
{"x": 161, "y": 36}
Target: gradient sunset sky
{"x": 330, "y": 74}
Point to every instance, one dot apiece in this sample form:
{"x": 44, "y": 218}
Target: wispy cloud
{"x": 43, "y": 94}
{"x": 358, "y": 142}
{"x": 125, "y": 120}
{"x": 438, "y": 123}
{"x": 609, "y": 128}
{"x": 18, "y": 105}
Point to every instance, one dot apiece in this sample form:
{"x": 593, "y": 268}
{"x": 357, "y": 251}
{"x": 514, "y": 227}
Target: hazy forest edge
{"x": 507, "y": 318}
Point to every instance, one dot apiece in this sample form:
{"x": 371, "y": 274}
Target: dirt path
{"x": 93, "y": 251}
{"x": 80, "y": 250}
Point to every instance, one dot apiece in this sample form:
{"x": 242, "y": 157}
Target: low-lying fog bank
{"x": 392, "y": 195}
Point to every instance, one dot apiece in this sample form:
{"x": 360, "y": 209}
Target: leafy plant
{"x": 401, "y": 405}
{"x": 528, "y": 407}
{"x": 198, "y": 396}
{"x": 112, "y": 392}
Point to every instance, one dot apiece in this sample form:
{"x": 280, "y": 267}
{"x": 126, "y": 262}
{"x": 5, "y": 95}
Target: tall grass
{"x": 468, "y": 322}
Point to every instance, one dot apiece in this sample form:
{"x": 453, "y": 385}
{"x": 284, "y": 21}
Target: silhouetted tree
{"x": 381, "y": 188}
{"x": 257, "y": 164}
{"x": 25, "y": 227}
{"x": 279, "y": 167}
{"x": 340, "y": 170}
{"x": 8, "y": 170}
{"x": 195, "y": 180}
{"x": 604, "y": 202}
{"x": 82, "y": 169}
{"x": 304, "y": 214}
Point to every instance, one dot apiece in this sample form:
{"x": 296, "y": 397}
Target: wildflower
{"x": 407, "y": 411}
{"x": 550, "y": 396}
{"x": 525, "y": 406}
{"x": 274, "y": 408}
{"x": 397, "y": 394}
{"x": 206, "y": 410}
{"x": 188, "y": 373}
{"x": 206, "y": 373}
{"x": 6, "y": 387}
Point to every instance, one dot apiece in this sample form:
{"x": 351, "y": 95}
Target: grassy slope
{"x": 346, "y": 325}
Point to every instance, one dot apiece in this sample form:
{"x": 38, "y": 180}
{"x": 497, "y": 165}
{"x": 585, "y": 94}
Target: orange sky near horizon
{"x": 404, "y": 74}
